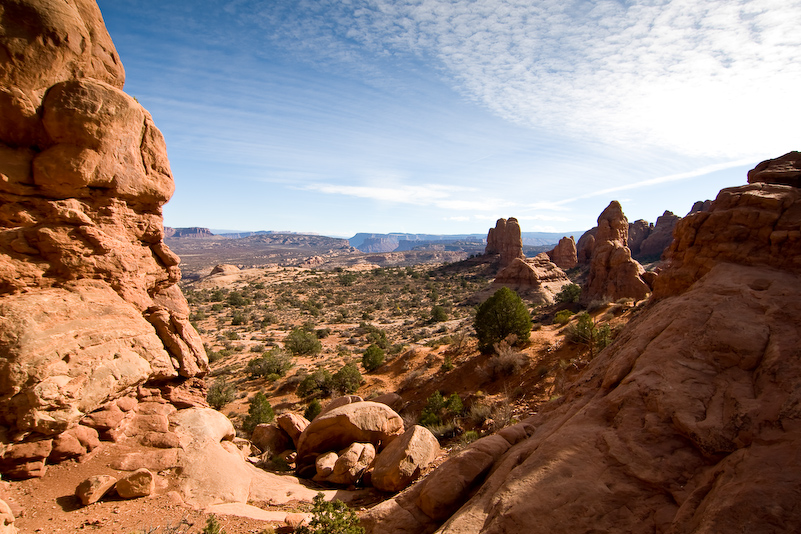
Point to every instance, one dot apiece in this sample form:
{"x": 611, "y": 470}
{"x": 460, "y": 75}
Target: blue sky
{"x": 434, "y": 116}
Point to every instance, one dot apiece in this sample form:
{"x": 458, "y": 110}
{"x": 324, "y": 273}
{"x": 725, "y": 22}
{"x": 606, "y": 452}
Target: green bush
{"x": 438, "y": 314}
{"x": 313, "y": 409}
{"x": 301, "y": 342}
{"x": 220, "y": 393}
{"x": 275, "y": 362}
{"x": 213, "y": 526}
{"x": 569, "y": 293}
{"x": 347, "y": 379}
{"x": 332, "y": 517}
{"x": 319, "y": 383}
{"x": 259, "y": 411}
{"x": 372, "y": 358}
{"x": 502, "y": 314}
{"x": 585, "y": 332}
{"x": 563, "y": 317}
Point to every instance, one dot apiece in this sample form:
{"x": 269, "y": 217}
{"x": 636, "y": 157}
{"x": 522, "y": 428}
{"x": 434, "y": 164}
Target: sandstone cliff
{"x": 564, "y": 254}
{"x": 89, "y": 306}
{"x": 688, "y": 422}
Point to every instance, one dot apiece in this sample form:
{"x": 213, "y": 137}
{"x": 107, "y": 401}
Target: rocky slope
{"x": 689, "y": 422}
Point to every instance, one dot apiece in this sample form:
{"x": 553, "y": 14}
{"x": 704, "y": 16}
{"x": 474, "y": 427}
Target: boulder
{"x": 359, "y": 422}
{"x": 505, "y": 240}
{"x": 402, "y": 461}
{"x": 351, "y": 464}
{"x": 26, "y": 459}
{"x": 339, "y": 401}
{"x": 613, "y": 273}
{"x": 564, "y": 254}
{"x": 269, "y": 438}
{"x": 140, "y": 483}
{"x": 293, "y": 424}
{"x": 93, "y": 488}
{"x": 7, "y": 519}
{"x": 225, "y": 268}
{"x": 784, "y": 170}
{"x": 324, "y": 465}
{"x": 393, "y": 400}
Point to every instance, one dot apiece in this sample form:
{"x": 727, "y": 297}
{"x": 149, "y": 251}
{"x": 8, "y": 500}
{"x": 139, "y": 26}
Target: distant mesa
{"x": 194, "y": 231}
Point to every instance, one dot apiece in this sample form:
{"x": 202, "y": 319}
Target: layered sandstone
{"x": 90, "y": 305}
{"x": 613, "y": 273}
{"x": 538, "y": 278}
{"x": 505, "y": 240}
{"x": 660, "y": 237}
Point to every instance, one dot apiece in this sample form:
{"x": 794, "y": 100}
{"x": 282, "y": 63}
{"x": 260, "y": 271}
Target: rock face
{"x": 505, "y": 240}
{"x": 564, "y": 254}
{"x": 639, "y": 230}
{"x": 784, "y": 170}
{"x": 689, "y": 422}
{"x": 90, "y": 305}
{"x": 585, "y": 245}
{"x": 660, "y": 237}
{"x": 613, "y": 273}
{"x": 536, "y": 277}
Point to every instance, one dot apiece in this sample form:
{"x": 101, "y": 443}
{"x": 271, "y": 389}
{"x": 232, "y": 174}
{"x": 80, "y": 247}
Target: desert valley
{"x": 637, "y": 377}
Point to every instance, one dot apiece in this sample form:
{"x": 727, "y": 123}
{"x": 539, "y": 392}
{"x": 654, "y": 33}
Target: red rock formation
{"x": 660, "y": 237}
{"x": 89, "y": 303}
{"x": 585, "y": 245}
{"x": 639, "y": 230}
{"x": 784, "y": 170}
{"x": 564, "y": 253}
{"x": 505, "y": 240}
{"x": 537, "y": 277}
{"x": 613, "y": 273}
{"x": 689, "y": 422}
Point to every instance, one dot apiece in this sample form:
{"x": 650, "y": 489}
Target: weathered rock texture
{"x": 689, "y": 422}
{"x": 585, "y": 245}
{"x": 639, "y": 230}
{"x": 784, "y": 170}
{"x": 564, "y": 254}
{"x": 538, "y": 278}
{"x": 505, "y": 240}
{"x": 88, "y": 298}
{"x": 613, "y": 273}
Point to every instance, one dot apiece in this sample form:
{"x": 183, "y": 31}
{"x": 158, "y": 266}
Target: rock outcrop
{"x": 660, "y": 237}
{"x": 564, "y": 254}
{"x": 784, "y": 170}
{"x": 538, "y": 278}
{"x": 639, "y": 230}
{"x": 688, "y": 422}
{"x": 613, "y": 273}
{"x": 90, "y": 305}
{"x": 506, "y": 241}
{"x": 585, "y": 245}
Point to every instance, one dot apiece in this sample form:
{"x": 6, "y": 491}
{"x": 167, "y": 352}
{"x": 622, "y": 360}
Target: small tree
{"x": 313, "y": 409}
{"x": 274, "y": 363}
{"x": 502, "y": 314}
{"x": 220, "y": 393}
{"x": 319, "y": 383}
{"x": 569, "y": 293}
{"x": 299, "y": 342}
{"x": 372, "y": 358}
{"x": 259, "y": 411}
{"x": 347, "y": 379}
{"x": 438, "y": 314}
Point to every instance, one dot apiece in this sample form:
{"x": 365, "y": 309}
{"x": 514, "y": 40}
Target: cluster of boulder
{"x": 351, "y": 442}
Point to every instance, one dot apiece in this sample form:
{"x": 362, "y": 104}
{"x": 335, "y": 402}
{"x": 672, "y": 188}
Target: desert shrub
{"x": 505, "y": 362}
{"x": 347, "y": 379}
{"x": 213, "y": 526}
{"x": 454, "y": 404}
{"x": 331, "y": 517}
{"x": 468, "y": 437}
{"x": 569, "y": 293}
{"x": 235, "y": 298}
{"x": 220, "y": 393}
{"x": 502, "y": 314}
{"x": 315, "y": 384}
{"x": 301, "y": 342}
{"x": 259, "y": 411}
{"x": 563, "y": 317}
{"x": 372, "y": 358}
{"x": 438, "y": 314}
{"x": 603, "y": 336}
{"x": 478, "y": 413}
{"x": 274, "y": 362}
{"x": 447, "y": 364}
{"x": 313, "y": 409}
{"x": 585, "y": 332}
{"x": 375, "y": 335}
{"x": 439, "y": 410}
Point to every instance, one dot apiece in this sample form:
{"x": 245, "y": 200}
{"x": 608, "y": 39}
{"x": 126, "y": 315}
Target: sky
{"x": 434, "y": 116}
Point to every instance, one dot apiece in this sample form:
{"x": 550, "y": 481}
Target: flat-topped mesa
{"x": 754, "y": 224}
{"x": 505, "y": 240}
{"x": 613, "y": 273}
{"x": 89, "y": 306}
